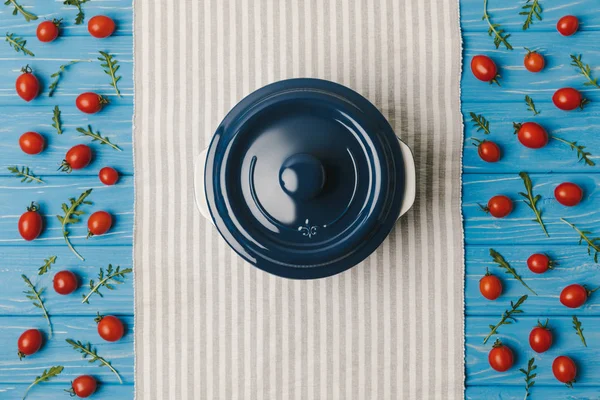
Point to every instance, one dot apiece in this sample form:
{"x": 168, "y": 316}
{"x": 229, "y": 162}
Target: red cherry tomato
{"x": 567, "y": 25}
{"x": 77, "y": 157}
{"x": 29, "y": 342}
{"x": 83, "y": 386}
{"x": 484, "y": 69}
{"x": 488, "y": 151}
{"x": 99, "y": 223}
{"x": 32, "y": 143}
{"x": 539, "y": 263}
{"x": 47, "y": 31}
{"x": 540, "y": 338}
{"x": 568, "y": 194}
{"x": 27, "y": 85}
{"x": 499, "y": 206}
{"x": 101, "y": 26}
{"x": 30, "y": 223}
{"x": 564, "y": 370}
{"x": 108, "y": 176}
{"x": 500, "y": 357}
{"x": 531, "y": 135}
{"x": 534, "y": 61}
{"x": 568, "y": 99}
{"x": 65, "y": 282}
{"x": 110, "y": 328}
{"x": 574, "y": 296}
{"x": 490, "y": 286}
{"x": 90, "y": 102}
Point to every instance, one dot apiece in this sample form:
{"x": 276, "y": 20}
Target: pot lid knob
{"x": 302, "y": 176}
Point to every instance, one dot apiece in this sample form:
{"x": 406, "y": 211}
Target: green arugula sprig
{"x": 88, "y": 351}
{"x": 498, "y": 259}
{"x": 531, "y": 105}
{"x": 507, "y": 317}
{"x": 25, "y": 174}
{"x": 18, "y": 44}
{"x": 582, "y": 155}
{"x": 72, "y": 216}
{"x": 56, "y": 124}
{"x": 36, "y": 296}
{"x": 58, "y": 73}
{"x": 529, "y": 376}
{"x": 19, "y": 9}
{"x": 480, "y": 123}
{"x": 495, "y": 30}
{"x": 47, "y": 265}
{"x": 532, "y": 200}
{"x": 585, "y": 70}
{"x": 579, "y": 329}
{"x": 107, "y": 280}
{"x": 531, "y": 9}
{"x": 593, "y": 244}
{"x": 97, "y": 137}
{"x": 45, "y": 377}
{"x": 111, "y": 66}
{"x": 80, "y": 14}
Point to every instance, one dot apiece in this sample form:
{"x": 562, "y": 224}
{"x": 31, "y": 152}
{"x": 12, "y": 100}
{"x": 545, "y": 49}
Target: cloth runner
{"x": 210, "y": 326}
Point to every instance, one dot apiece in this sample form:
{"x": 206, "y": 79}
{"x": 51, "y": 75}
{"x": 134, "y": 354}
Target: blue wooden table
{"x": 516, "y": 237}
{"x": 70, "y": 318}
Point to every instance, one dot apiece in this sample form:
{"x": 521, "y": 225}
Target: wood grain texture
{"x": 537, "y": 392}
{"x": 113, "y": 123}
{"x": 50, "y": 390}
{"x": 16, "y": 196}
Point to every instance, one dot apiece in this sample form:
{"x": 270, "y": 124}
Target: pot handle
{"x": 199, "y": 191}
{"x": 410, "y": 178}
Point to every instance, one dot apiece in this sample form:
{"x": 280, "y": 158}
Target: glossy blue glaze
{"x": 304, "y": 178}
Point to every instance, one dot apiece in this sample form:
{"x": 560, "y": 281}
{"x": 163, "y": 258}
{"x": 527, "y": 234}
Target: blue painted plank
{"x": 56, "y": 351}
{"x": 518, "y": 228}
{"x": 503, "y": 392}
{"x": 14, "y": 262}
{"x": 117, "y": 200}
{"x": 507, "y": 14}
{"x": 119, "y": 10}
{"x": 574, "y": 266}
{"x": 516, "y": 81}
{"x": 566, "y": 342}
{"x": 79, "y": 78}
{"x": 50, "y": 390}
{"x": 555, "y": 157}
{"x": 112, "y": 122}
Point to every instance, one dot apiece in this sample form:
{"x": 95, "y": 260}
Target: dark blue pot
{"x": 305, "y": 178}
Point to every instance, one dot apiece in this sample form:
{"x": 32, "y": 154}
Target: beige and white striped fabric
{"x": 210, "y": 326}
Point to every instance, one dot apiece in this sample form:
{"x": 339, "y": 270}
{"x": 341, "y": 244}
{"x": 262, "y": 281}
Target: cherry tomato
{"x": 488, "y": 151}
{"x": 568, "y": 194}
{"x": 29, "y": 342}
{"x": 99, "y": 223}
{"x": 484, "y": 69}
{"x": 108, "y": 176}
{"x": 534, "y": 61}
{"x": 490, "y": 286}
{"x": 47, "y": 31}
{"x": 540, "y": 338}
{"x": 77, "y": 157}
{"x": 500, "y": 357}
{"x": 564, "y": 370}
{"x": 101, "y": 26}
{"x": 30, "y": 223}
{"x": 32, "y": 143}
{"x": 568, "y": 99}
{"x": 27, "y": 84}
{"x": 499, "y": 206}
{"x": 65, "y": 282}
{"x": 567, "y": 25}
{"x": 531, "y": 135}
{"x": 83, "y": 386}
{"x": 574, "y": 296}
{"x": 539, "y": 263}
{"x": 90, "y": 102}
{"x": 110, "y": 328}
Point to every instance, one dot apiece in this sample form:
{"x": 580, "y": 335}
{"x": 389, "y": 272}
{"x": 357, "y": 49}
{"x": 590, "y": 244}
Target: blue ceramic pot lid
{"x": 304, "y": 178}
